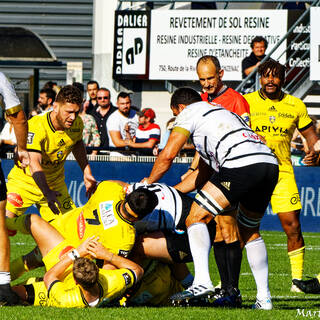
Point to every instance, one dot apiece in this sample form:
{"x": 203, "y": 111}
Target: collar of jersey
{"x": 262, "y": 96}
{"x": 50, "y": 122}
{"x": 120, "y": 215}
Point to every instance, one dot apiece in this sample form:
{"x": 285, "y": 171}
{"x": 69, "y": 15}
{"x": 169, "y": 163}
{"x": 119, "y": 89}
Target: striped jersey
{"x": 146, "y": 134}
{"x": 221, "y": 137}
{"x": 166, "y": 214}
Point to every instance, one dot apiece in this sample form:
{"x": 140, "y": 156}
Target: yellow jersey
{"x": 100, "y": 216}
{"x": 112, "y": 284}
{"x": 276, "y": 121}
{"x": 54, "y": 146}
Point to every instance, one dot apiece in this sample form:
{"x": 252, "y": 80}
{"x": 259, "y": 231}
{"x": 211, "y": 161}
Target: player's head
{"x": 85, "y": 273}
{"x": 272, "y": 77}
{"x": 139, "y": 203}
{"x": 92, "y": 89}
{"x": 181, "y": 98}
{"x": 124, "y": 103}
{"x": 146, "y": 116}
{"x": 46, "y": 98}
{"x": 210, "y": 74}
{"x": 259, "y": 46}
{"x": 67, "y": 106}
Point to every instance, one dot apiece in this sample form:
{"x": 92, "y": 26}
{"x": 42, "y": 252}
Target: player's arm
{"x": 193, "y": 166}
{"x": 117, "y": 139}
{"x": 196, "y": 179}
{"x": 166, "y": 156}
{"x": 20, "y": 125}
{"x": 57, "y": 271}
{"x": 98, "y": 251}
{"x": 41, "y": 181}
{"x": 312, "y": 140}
{"x": 79, "y": 152}
{"x": 148, "y": 144}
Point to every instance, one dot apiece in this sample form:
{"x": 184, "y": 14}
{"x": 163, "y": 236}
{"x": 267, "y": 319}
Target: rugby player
{"x": 274, "y": 116}
{"x": 247, "y": 172}
{"x": 227, "y": 248}
{"x": 108, "y": 214}
{"x": 16, "y": 116}
{"x": 89, "y": 285}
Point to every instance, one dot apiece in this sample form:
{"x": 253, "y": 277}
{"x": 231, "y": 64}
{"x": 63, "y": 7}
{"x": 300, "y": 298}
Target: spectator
{"x": 123, "y": 123}
{"x": 101, "y": 114}
{"x": 52, "y": 85}
{"x": 92, "y": 89}
{"x": 249, "y": 64}
{"x": 165, "y": 137}
{"x": 45, "y": 101}
{"x": 148, "y": 133}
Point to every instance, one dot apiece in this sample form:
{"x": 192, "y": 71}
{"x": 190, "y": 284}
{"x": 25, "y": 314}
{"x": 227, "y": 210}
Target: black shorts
{"x": 178, "y": 244}
{"x": 252, "y": 185}
{"x": 186, "y": 206}
{"x": 3, "y": 188}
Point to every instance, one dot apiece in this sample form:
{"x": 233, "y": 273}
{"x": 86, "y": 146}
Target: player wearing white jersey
{"x": 246, "y": 174}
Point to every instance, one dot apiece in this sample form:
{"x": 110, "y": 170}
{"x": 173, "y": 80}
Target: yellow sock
{"x": 318, "y": 277}
{"x": 17, "y": 268}
{"x": 296, "y": 260}
{"x": 18, "y": 224}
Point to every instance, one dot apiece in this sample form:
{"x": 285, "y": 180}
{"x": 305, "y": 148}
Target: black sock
{"x": 234, "y": 258}
{"x": 221, "y": 261}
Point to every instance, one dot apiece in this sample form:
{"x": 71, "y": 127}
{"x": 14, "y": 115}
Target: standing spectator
{"x": 46, "y": 99}
{"x": 101, "y": 114}
{"x": 92, "y": 89}
{"x": 15, "y": 115}
{"x": 52, "y": 85}
{"x": 123, "y": 123}
{"x": 259, "y": 46}
{"x": 274, "y": 116}
{"x": 148, "y": 133}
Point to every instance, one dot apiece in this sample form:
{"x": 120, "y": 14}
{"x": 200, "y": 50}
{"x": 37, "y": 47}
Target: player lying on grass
{"x": 109, "y": 214}
{"x": 89, "y": 284}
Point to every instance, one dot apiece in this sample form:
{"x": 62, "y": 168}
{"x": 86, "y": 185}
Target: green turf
{"x": 286, "y": 304}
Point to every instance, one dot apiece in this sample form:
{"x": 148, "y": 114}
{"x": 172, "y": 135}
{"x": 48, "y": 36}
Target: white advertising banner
{"x": 315, "y": 43}
{"x": 180, "y": 37}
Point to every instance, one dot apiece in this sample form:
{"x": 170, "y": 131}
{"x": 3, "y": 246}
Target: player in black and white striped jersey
{"x": 246, "y": 172}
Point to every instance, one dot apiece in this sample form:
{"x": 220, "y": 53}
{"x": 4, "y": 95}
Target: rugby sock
{"x": 200, "y": 245}
{"x": 187, "y": 281}
{"x": 18, "y": 223}
{"x": 221, "y": 261}
{"x": 296, "y": 260}
{"x": 318, "y": 277}
{"x": 18, "y": 268}
{"x": 4, "y": 277}
{"x": 258, "y": 261}
{"x": 234, "y": 258}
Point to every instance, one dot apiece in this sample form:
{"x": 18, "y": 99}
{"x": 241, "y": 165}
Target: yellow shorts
{"x": 21, "y": 196}
{"x": 40, "y": 294}
{"x": 285, "y": 197}
{"x": 157, "y": 287}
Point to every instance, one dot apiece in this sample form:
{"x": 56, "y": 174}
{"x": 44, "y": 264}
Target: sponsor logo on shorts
{"x": 226, "y": 184}
{"x": 30, "y": 137}
{"x": 295, "y": 198}
{"x": 123, "y": 253}
{"x": 15, "y": 199}
{"x": 65, "y": 250}
{"x": 67, "y": 203}
{"x": 127, "y": 278}
{"x": 81, "y": 225}
{"x": 42, "y": 298}
{"x": 182, "y": 255}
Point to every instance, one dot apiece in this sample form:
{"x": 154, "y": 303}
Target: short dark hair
{"x": 142, "y": 201}
{"x": 70, "y": 94}
{"x": 273, "y": 66}
{"x": 213, "y": 59}
{"x": 93, "y": 82}
{"x": 49, "y": 85}
{"x": 49, "y": 93}
{"x": 184, "y": 96}
{"x": 123, "y": 95}
{"x": 259, "y": 39}
{"x": 85, "y": 272}
{"x": 80, "y": 86}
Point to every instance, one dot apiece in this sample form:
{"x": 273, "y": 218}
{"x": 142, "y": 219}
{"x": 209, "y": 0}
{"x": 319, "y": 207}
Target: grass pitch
{"x": 287, "y": 305}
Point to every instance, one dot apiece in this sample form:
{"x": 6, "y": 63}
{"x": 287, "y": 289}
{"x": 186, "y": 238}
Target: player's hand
{"x": 145, "y": 181}
{"x": 84, "y": 246}
{"x": 23, "y": 157}
{"x": 90, "y": 184}
{"x": 98, "y": 251}
{"x": 53, "y": 202}
{"x": 310, "y": 159}
{"x": 316, "y": 146}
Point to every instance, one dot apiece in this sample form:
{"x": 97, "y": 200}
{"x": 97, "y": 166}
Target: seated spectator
{"x": 249, "y": 64}
{"x": 166, "y": 135}
{"x": 147, "y": 135}
{"x": 123, "y": 123}
{"x": 101, "y": 115}
{"x": 92, "y": 89}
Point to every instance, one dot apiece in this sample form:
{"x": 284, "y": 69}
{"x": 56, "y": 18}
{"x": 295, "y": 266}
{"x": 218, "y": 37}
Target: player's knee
{"x": 207, "y": 202}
